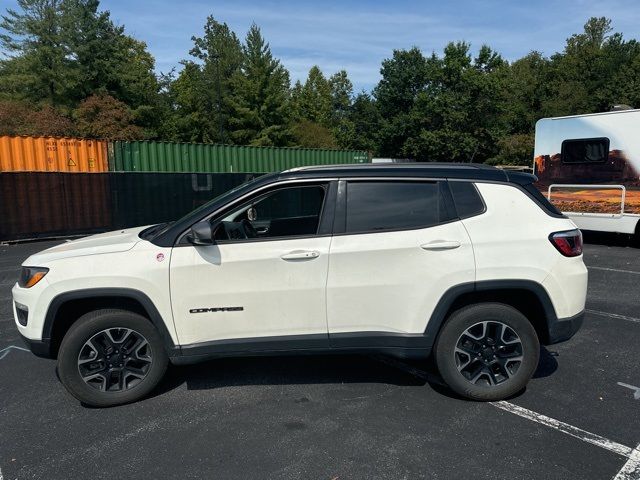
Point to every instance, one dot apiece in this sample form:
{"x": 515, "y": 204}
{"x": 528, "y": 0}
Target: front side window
{"x": 389, "y": 205}
{"x": 590, "y": 150}
{"x": 286, "y": 212}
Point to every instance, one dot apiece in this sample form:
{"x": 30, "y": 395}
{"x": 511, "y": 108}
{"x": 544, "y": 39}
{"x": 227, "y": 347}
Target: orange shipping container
{"x": 51, "y": 154}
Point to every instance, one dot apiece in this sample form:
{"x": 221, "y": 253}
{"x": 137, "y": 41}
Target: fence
{"x": 39, "y": 205}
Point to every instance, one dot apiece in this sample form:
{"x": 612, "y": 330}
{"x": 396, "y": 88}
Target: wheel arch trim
{"x": 116, "y": 292}
{"x": 448, "y": 299}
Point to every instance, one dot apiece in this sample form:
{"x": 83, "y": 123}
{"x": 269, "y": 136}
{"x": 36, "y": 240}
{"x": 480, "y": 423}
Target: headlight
{"x": 29, "y": 276}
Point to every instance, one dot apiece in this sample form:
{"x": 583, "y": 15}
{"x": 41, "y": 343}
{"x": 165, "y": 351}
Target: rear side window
{"x": 467, "y": 199}
{"x": 585, "y": 150}
{"x": 380, "y": 206}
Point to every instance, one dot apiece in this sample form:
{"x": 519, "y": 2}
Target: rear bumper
{"x": 564, "y": 328}
{"x": 40, "y": 348}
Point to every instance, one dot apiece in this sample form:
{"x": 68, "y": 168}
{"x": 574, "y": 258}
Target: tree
{"x": 60, "y": 52}
{"x": 359, "y": 129}
{"x": 514, "y": 149}
{"x": 102, "y": 116}
{"x": 624, "y": 87}
{"x": 580, "y": 79}
{"x": 341, "y": 90}
{"x": 33, "y": 41}
{"x": 20, "y": 118}
{"x": 524, "y": 89}
{"x": 259, "y": 97}
{"x": 440, "y": 109}
{"x": 403, "y": 77}
{"x": 312, "y": 100}
{"x": 309, "y": 134}
{"x": 218, "y": 55}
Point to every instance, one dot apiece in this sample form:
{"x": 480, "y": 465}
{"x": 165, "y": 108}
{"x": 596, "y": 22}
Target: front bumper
{"x": 40, "y": 348}
{"x": 564, "y": 328}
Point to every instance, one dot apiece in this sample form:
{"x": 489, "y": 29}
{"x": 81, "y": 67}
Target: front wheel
{"x": 487, "y": 351}
{"x": 111, "y": 357}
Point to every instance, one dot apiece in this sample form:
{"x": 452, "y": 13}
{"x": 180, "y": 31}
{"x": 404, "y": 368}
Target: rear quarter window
{"x": 467, "y": 199}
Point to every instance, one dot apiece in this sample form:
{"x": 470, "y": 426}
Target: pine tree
{"x": 219, "y": 55}
{"x": 259, "y": 99}
{"x": 312, "y": 101}
{"x": 37, "y": 56}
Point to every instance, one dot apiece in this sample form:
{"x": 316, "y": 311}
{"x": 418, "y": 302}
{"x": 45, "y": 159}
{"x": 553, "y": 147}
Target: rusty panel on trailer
{"x": 52, "y": 154}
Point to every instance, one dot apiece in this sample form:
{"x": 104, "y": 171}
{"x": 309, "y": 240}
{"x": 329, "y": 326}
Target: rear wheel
{"x": 487, "y": 351}
{"x": 111, "y": 357}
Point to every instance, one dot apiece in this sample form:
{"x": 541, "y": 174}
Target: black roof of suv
{"x": 467, "y": 171}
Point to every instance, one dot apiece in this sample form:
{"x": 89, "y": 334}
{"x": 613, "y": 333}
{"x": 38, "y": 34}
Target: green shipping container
{"x": 148, "y": 156}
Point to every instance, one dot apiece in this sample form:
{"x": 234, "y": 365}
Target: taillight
{"x": 568, "y": 243}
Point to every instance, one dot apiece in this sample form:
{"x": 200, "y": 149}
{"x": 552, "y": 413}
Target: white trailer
{"x": 588, "y": 166}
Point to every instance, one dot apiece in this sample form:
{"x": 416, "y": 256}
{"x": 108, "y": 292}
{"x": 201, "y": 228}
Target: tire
{"x": 498, "y": 366}
{"x": 111, "y": 338}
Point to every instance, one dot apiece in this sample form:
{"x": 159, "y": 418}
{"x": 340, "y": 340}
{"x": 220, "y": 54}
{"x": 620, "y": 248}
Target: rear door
{"x": 398, "y": 247}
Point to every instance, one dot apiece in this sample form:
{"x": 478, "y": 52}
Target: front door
{"x": 264, "y": 280}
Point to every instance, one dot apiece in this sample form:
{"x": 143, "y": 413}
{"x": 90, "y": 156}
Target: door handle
{"x": 301, "y": 255}
{"x": 440, "y": 245}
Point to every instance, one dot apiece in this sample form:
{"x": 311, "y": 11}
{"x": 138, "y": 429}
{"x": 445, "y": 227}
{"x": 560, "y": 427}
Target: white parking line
{"x": 565, "y": 428}
{"x": 5, "y": 351}
{"x": 606, "y": 269}
{"x": 636, "y": 390}
{"x": 613, "y": 315}
{"x": 631, "y": 469}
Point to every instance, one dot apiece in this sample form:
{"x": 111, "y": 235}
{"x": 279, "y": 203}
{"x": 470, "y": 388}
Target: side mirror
{"x": 201, "y": 234}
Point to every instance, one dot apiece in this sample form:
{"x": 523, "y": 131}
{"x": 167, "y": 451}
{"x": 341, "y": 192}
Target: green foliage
{"x": 312, "y": 100}
{"x": 36, "y": 53}
{"x": 309, "y": 134}
{"x": 515, "y": 149}
{"x": 61, "y": 52}
{"x": 581, "y": 77}
{"x": 446, "y": 113}
{"x": 260, "y": 91}
{"x": 359, "y": 129}
{"x": 205, "y": 92}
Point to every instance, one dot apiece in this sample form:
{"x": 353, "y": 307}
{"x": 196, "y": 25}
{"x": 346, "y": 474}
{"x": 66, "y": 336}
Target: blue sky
{"x": 357, "y": 35}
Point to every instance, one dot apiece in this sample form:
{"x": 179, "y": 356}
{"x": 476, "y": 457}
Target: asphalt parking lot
{"x": 341, "y": 417}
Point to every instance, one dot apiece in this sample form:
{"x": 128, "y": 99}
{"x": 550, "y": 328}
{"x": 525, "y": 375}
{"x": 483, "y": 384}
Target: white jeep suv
{"x": 469, "y": 264}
